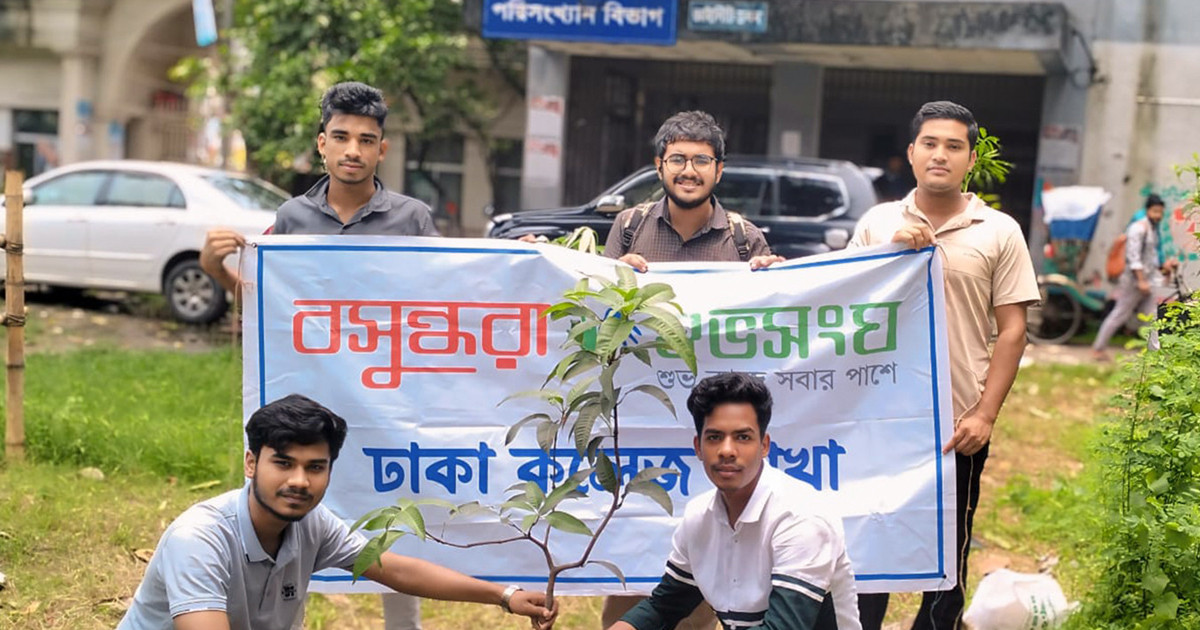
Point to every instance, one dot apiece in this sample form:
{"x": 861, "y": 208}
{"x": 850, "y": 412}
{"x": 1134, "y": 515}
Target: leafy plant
{"x": 584, "y": 401}
{"x": 1191, "y": 170}
{"x": 1149, "y": 541}
{"x": 989, "y": 170}
{"x": 583, "y": 239}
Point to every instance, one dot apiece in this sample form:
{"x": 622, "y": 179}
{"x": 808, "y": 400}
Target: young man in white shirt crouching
{"x": 751, "y": 548}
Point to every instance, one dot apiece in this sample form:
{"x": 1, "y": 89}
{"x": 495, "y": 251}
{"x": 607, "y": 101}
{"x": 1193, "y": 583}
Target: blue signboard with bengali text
{"x": 609, "y": 21}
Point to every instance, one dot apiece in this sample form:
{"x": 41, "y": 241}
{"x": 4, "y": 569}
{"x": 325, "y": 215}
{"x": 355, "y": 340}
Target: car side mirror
{"x": 837, "y": 238}
{"x": 610, "y": 204}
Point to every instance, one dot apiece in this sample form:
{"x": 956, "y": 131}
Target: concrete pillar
{"x": 477, "y": 187}
{"x": 795, "y": 126}
{"x": 76, "y": 107}
{"x": 1060, "y": 145}
{"x": 546, "y": 84}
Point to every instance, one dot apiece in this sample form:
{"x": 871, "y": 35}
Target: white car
{"x": 139, "y": 226}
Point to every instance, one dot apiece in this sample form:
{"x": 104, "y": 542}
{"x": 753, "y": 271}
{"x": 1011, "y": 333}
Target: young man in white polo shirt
{"x": 751, "y": 548}
{"x": 242, "y": 560}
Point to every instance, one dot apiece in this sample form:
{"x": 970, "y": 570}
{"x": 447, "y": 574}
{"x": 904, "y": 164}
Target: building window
{"x": 433, "y": 173}
{"x": 35, "y": 139}
{"x": 506, "y": 197}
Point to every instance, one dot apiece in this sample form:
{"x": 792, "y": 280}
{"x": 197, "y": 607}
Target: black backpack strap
{"x": 632, "y": 222}
{"x": 738, "y": 226}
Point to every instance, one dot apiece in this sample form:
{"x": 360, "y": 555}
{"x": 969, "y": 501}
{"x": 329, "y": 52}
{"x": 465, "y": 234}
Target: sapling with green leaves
{"x": 583, "y": 400}
{"x": 989, "y": 171}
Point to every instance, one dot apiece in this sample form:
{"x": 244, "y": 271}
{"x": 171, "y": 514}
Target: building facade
{"x": 1094, "y": 92}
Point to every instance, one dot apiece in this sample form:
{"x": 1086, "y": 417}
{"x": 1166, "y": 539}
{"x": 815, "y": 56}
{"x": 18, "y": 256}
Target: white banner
{"x": 414, "y": 341}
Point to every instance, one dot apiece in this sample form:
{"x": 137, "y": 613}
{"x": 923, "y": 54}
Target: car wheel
{"x": 193, "y": 296}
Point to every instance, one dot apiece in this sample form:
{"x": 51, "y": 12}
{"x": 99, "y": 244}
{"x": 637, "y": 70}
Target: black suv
{"x": 803, "y": 205}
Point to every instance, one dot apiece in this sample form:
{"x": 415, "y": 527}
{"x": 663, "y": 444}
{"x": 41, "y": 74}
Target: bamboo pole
{"x": 14, "y": 315}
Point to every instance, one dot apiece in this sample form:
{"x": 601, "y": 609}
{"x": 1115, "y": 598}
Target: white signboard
{"x": 415, "y": 340}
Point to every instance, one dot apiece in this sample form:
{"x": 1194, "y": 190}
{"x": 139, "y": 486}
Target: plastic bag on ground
{"x": 1007, "y": 600}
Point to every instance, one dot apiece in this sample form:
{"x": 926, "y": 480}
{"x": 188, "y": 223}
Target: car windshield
{"x": 248, "y": 193}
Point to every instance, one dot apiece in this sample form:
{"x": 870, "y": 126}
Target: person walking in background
{"x": 1143, "y": 271}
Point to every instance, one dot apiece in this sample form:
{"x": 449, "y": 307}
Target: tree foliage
{"x": 287, "y": 52}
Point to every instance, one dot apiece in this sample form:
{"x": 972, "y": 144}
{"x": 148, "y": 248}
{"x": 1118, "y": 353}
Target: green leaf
{"x": 535, "y": 494}
{"x": 521, "y": 503}
{"x": 658, "y": 394}
{"x": 528, "y": 521}
{"x": 652, "y": 473}
{"x": 654, "y": 293}
{"x": 672, "y": 333}
{"x": 593, "y": 447}
{"x": 1155, "y": 581}
{"x": 374, "y": 550}
{"x": 468, "y": 510}
{"x": 642, "y": 355}
{"x": 613, "y": 332}
{"x": 605, "y": 473}
{"x": 586, "y": 398}
{"x": 570, "y": 309}
{"x": 442, "y": 503}
{"x": 625, "y": 277}
{"x": 411, "y": 516}
{"x": 569, "y": 489}
{"x": 583, "y": 426}
{"x": 1166, "y": 606}
{"x": 567, "y": 523}
{"x": 612, "y": 568}
{"x": 370, "y": 516}
{"x": 516, "y": 428}
{"x": 546, "y": 432}
{"x": 654, "y": 491}
{"x": 546, "y": 395}
{"x": 590, "y": 362}
{"x": 579, "y": 389}
{"x": 1162, "y": 484}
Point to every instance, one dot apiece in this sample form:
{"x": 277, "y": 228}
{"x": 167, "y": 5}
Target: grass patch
{"x": 68, "y": 544}
{"x": 145, "y": 412}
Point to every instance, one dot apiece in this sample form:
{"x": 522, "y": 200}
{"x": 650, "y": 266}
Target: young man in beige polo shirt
{"x": 989, "y": 277}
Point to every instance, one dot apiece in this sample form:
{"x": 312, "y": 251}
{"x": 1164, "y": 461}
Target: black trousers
{"x": 941, "y": 610}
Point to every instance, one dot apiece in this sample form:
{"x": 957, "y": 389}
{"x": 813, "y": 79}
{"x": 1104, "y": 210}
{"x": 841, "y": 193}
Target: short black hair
{"x": 1154, "y": 200}
{"x": 945, "y": 110}
{"x": 295, "y": 419}
{"x": 694, "y": 126}
{"x": 730, "y": 387}
{"x": 355, "y": 99}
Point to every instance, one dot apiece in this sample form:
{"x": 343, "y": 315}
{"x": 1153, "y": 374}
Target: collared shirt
{"x": 387, "y": 213}
{"x": 986, "y": 264}
{"x": 1141, "y": 248}
{"x": 780, "y": 565}
{"x": 210, "y": 559}
{"x": 657, "y": 241}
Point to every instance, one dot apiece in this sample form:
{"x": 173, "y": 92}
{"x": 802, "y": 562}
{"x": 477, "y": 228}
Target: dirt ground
{"x": 58, "y": 323}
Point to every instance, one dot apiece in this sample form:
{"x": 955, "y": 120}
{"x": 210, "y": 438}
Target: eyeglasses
{"x": 677, "y": 162}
